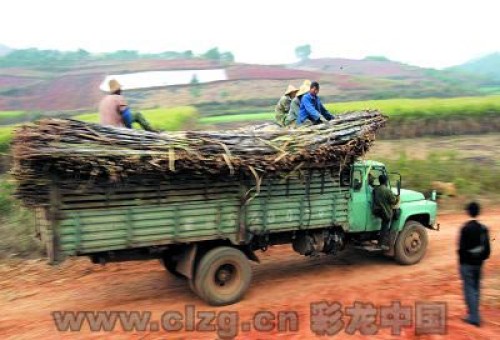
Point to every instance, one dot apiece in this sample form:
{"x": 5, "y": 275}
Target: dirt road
{"x": 284, "y": 281}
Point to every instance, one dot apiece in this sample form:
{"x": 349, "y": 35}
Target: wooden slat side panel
{"x": 122, "y": 218}
{"x": 296, "y": 204}
{"x": 115, "y": 221}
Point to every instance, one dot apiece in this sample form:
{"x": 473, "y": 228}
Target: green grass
{"x": 6, "y": 133}
{"x": 88, "y": 117}
{"x": 416, "y": 108}
{"x": 232, "y": 118}
{"x": 395, "y": 108}
{"x": 171, "y": 119}
{"x": 9, "y": 115}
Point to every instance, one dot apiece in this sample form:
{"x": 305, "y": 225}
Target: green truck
{"x": 207, "y": 231}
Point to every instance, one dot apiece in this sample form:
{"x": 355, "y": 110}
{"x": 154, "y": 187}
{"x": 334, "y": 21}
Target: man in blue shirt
{"x": 311, "y": 107}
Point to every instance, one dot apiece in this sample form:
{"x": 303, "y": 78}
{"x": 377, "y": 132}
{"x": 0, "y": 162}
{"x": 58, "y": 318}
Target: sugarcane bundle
{"x": 71, "y": 152}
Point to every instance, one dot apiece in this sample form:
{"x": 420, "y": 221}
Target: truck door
{"x": 358, "y": 204}
{"x": 373, "y": 223}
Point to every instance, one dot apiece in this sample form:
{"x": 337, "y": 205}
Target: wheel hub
{"x": 413, "y": 242}
{"x": 224, "y": 275}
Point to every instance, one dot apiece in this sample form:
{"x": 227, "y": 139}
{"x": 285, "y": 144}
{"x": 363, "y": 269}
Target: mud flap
{"x": 250, "y": 254}
{"x": 186, "y": 263}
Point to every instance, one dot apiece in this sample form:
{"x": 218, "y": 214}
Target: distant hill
{"x": 37, "y": 80}
{"x": 383, "y": 68}
{"x": 370, "y": 66}
{"x": 487, "y": 66}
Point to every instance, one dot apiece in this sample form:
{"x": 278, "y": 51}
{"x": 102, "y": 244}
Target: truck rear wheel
{"x": 222, "y": 276}
{"x": 411, "y": 243}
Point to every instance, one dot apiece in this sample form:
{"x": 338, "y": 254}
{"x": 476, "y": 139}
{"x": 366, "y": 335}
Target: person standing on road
{"x": 311, "y": 107}
{"x": 283, "y": 105}
{"x": 114, "y": 111}
{"x": 474, "y": 249}
{"x": 384, "y": 201}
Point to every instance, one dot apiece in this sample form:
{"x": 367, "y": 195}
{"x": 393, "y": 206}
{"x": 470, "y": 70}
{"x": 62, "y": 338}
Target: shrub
{"x": 470, "y": 178}
{"x": 7, "y": 116}
{"x": 6, "y": 133}
{"x": 17, "y": 225}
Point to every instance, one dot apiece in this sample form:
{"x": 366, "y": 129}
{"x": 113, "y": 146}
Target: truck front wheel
{"x": 411, "y": 243}
{"x": 222, "y": 276}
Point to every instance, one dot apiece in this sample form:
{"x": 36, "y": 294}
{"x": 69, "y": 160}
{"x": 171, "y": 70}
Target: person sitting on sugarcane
{"x": 283, "y": 105}
{"x": 293, "y": 113}
{"x": 114, "y": 111}
{"x": 311, "y": 107}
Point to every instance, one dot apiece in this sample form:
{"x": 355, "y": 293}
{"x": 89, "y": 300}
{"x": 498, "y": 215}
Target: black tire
{"x": 222, "y": 276}
{"x": 411, "y": 243}
{"x": 170, "y": 265}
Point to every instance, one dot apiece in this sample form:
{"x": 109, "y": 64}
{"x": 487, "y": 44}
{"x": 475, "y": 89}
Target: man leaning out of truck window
{"x": 384, "y": 201}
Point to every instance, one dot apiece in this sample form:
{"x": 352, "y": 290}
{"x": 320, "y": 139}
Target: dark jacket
{"x": 470, "y": 237}
{"x": 383, "y": 202}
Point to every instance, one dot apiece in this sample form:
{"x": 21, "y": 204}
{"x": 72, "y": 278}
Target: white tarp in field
{"x": 143, "y": 80}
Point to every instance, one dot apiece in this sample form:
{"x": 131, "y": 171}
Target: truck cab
{"x": 414, "y": 213}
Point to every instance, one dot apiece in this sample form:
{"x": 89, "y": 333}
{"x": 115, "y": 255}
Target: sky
{"x": 437, "y": 33}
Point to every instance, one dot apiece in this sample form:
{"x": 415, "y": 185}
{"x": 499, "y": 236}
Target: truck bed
{"x": 86, "y": 221}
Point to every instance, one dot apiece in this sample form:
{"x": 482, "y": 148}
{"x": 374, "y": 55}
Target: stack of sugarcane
{"x": 71, "y": 152}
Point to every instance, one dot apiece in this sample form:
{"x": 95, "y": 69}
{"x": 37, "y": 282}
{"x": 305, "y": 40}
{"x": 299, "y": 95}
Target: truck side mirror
{"x": 398, "y": 182}
{"x": 433, "y": 195}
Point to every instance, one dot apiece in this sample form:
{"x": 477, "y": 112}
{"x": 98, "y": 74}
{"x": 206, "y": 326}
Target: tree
{"x": 122, "y": 55}
{"x": 227, "y": 57}
{"x": 212, "y": 54}
{"x": 303, "y": 52}
{"x": 195, "y": 88}
{"x": 187, "y": 54}
{"x": 82, "y": 54}
{"x": 376, "y": 58}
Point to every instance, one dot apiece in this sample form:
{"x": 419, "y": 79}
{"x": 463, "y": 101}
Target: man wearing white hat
{"x": 283, "y": 105}
{"x": 293, "y": 113}
{"x": 114, "y": 111}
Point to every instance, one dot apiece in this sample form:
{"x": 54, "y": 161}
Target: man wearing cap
{"x": 311, "y": 107}
{"x": 293, "y": 113}
{"x": 283, "y": 105}
{"x": 114, "y": 111}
